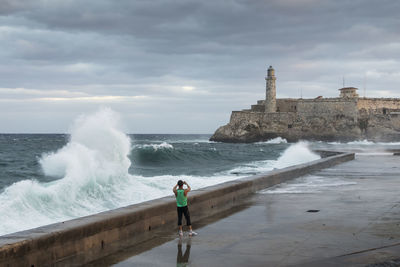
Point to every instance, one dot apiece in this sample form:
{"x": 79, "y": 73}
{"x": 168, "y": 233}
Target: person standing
{"x": 182, "y": 208}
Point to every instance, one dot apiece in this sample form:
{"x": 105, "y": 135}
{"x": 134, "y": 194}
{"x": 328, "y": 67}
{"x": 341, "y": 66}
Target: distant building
{"x": 349, "y": 92}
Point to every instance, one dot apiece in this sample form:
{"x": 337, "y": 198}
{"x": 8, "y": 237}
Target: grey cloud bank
{"x": 182, "y": 66}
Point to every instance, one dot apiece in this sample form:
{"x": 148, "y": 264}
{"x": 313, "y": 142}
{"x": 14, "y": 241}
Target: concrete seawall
{"x": 85, "y": 239}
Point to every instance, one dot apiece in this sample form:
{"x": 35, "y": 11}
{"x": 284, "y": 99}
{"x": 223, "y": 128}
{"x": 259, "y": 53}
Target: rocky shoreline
{"x": 252, "y": 127}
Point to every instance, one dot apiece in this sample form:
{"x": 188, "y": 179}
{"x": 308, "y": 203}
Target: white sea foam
{"x": 192, "y": 141}
{"x": 330, "y": 143}
{"x": 366, "y": 143}
{"x": 295, "y": 154}
{"x": 253, "y": 167}
{"x": 163, "y": 145}
{"x": 308, "y": 185}
{"x": 361, "y": 142}
{"x": 277, "y": 140}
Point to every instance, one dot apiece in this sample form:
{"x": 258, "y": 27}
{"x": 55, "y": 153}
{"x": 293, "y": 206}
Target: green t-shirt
{"x": 181, "y": 199}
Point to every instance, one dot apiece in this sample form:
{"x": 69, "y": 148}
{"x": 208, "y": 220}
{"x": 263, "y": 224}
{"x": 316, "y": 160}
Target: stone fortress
{"x": 344, "y": 118}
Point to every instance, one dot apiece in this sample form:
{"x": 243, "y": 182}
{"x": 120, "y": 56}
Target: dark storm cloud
{"x": 8, "y": 7}
{"x": 183, "y": 55}
{"x": 190, "y": 23}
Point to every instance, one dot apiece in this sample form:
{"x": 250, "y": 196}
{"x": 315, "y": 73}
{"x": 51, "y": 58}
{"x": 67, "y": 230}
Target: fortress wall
{"x": 258, "y": 108}
{"x": 80, "y": 241}
{"x": 286, "y": 105}
{"x": 246, "y": 115}
{"x": 276, "y": 124}
{"x": 279, "y": 117}
{"x": 327, "y": 107}
{"x": 378, "y": 103}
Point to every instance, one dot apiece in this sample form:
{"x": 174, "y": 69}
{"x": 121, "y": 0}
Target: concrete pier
{"x": 355, "y": 224}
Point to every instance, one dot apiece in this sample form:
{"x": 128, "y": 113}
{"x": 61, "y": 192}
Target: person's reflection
{"x": 182, "y": 260}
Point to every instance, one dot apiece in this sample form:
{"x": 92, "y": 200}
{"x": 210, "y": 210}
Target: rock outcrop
{"x": 247, "y": 127}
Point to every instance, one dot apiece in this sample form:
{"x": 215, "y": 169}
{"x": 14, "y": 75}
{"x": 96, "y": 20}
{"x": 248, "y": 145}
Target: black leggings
{"x": 185, "y": 212}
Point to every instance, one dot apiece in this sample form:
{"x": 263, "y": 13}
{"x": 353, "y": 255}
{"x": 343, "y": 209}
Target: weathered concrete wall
{"x": 85, "y": 239}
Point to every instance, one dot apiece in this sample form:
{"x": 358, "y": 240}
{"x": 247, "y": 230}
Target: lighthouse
{"x": 270, "y": 92}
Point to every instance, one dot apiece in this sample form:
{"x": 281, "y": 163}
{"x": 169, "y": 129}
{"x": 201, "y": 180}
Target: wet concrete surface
{"x": 353, "y": 224}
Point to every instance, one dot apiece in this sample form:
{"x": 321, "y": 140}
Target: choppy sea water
{"x": 97, "y": 167}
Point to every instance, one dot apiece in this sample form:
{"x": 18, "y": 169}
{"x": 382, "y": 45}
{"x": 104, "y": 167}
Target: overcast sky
{"x": 172, "y": 66}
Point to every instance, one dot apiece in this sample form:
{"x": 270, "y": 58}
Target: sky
{"x": 182, "y": 66}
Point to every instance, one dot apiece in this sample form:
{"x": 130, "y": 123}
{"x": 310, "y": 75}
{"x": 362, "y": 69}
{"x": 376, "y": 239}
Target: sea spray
{"x": 92, "y": 172}
{"x": 98, "y": 150}
{"x": 296, "y": 154}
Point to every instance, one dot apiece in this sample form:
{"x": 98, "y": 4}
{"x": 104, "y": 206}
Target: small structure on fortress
{"x": 347, "y": 117}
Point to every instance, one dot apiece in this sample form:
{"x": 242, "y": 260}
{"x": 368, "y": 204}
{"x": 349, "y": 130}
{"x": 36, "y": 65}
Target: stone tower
{"x": 270, "y": 97}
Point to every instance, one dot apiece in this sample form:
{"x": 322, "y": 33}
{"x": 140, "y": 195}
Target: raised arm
{"x": 187, "y": 190}
{"x": 174, "y": 189}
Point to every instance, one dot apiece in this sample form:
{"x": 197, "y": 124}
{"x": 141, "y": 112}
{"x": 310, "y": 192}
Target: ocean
{"x": 48, "y": 178}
